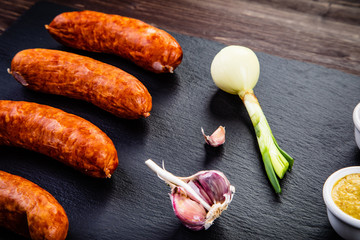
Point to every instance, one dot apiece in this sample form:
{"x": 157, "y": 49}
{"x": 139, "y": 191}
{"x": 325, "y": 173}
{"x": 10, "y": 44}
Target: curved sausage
{"x": 29, "y": 210}
{"x": 145, "y": 45}
{"x": 60, "y": 135}
{"x": 72, "y": 75}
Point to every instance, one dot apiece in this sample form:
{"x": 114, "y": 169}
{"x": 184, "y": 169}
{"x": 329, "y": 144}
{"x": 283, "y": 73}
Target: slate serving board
{"x": 309, "y": 109}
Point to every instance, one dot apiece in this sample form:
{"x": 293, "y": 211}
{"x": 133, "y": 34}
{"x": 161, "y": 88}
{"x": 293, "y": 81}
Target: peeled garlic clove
{"x": 217, "y": 138}
{"x": 191, "y": 213}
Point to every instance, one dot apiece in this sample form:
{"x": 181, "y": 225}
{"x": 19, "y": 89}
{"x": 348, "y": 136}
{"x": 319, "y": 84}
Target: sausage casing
{"x": 29, "y": 210}
{"x": 60, "y": 135}
{"x": 145, "y": 45}
{"x": 72, "y": 75}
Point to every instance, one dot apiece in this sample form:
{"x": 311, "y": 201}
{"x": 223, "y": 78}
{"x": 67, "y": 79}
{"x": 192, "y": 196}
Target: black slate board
{"x": 308, "y": 107}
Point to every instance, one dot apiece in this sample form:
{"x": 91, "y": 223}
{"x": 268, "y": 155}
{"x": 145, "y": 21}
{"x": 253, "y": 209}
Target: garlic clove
{"x": 217, "y": 138}
{"x": 191, "y": 213}
{"x": 215, "y": 184}
{"x": 194, "y": 184}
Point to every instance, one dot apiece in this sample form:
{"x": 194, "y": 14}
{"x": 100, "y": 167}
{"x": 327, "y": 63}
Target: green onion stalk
{"x": 236, "y": 70}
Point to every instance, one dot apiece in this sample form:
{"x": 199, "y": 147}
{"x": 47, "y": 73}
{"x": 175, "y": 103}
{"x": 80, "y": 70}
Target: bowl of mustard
{"x": 341, "y": 193}
{"x": 356, "y": 119}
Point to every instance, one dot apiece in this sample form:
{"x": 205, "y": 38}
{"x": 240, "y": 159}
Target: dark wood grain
{"x": 325, "y": 32}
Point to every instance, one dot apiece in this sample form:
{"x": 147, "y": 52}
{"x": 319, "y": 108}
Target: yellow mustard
{"x": 346, "y": 194}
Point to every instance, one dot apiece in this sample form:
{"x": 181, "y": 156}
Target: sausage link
{"x": 147, "y": 46}
{"x": 29, "y": 210}
{"x": 72, "y": 75}
{"x": 60, "y": 135}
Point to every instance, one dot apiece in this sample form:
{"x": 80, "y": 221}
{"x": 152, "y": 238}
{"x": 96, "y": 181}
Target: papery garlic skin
{"x": 218, "y": 208}
{"x": 217, "y": 138}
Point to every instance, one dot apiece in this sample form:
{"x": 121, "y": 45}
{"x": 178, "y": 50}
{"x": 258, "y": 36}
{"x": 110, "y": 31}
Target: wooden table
{"x": 325, "y": 32}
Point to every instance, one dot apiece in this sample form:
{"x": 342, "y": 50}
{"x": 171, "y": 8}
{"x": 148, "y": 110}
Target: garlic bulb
{"x": 199, "y": 199}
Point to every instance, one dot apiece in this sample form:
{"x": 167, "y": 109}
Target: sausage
{"x": 29, "y": 210}
{"x": 68, "y": 138}
{"x": 147, "y": 46}
{"x": 72, "y": 75}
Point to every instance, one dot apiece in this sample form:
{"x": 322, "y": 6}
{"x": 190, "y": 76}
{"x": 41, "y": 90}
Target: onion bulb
{"x": 236, "y": 70}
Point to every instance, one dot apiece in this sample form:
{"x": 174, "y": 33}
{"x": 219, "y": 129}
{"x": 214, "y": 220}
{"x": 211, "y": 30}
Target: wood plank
{"x": 347, "y": 11}
{"x": 322, "y": 32}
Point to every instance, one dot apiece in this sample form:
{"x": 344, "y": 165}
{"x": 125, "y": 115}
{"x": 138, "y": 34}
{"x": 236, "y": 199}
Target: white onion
{"x": 235, "y": 69}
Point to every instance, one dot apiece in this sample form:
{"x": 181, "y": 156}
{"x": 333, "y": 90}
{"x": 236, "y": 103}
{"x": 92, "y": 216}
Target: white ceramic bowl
{"x": 356, "y": 118}
{"x": 345, "y": 225}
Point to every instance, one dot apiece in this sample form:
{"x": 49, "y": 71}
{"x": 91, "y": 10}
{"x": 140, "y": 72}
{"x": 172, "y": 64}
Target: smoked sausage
{"x": 66, "y": 137}
{"x": 145, "y": 45}
{"x": 80, "y": 77}
{"x": 29, "y": 210}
